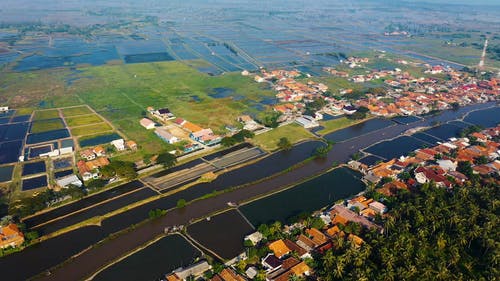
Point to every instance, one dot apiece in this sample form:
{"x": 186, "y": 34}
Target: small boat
{"x": 232, "y": 204}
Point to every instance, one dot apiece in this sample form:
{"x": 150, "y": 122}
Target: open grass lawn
{"x": 91, "y": 129}
{"x": 46, "y": 114}
{"x": 337, "y": 124}
{"x": 73, "y": 111}
{"x": 83, "y": 120}
{"x": 46, "y": 125}
{"x": 294, "y": 133}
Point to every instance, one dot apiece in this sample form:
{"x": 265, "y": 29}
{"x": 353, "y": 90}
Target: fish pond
{"x": 36, "y": 151}
{"x": 223, "y": 234}
{"x": 34, "y": 168}
{"x": 10, "y": 151}
{"x": 406, "y": 119}
{"x": 34, "y": 183}
{"x": 444, "y": 131}
{"x": 370, "y": 160}
{"x": 426, "y": 138}
{"x": 395, "y": 148}
{"x": 358, "y": 129}
{"x": 93, "y": 141}
{"x": 484, "y": 118}
{"x": 306, "y": 197}
{"x": 47, "y": 136}
{"x": 6, "y": 173}
{"x": 16, "y": 131}
{"x": 152, "y": 262}
{"x": 61, "y": 174}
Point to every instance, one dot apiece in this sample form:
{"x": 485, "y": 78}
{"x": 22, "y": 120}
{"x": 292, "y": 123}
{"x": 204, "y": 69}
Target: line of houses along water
{"x": 283, "y": 206}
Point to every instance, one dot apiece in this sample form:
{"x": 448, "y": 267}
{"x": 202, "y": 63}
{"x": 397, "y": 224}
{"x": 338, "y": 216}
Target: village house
{"x": 10, "y": 236}
{"x": 164, "y": 114}
{"x": 99, "y": 151}
{"x": 255, "y": 237}
{"x": 279, "y": 248}
{"x": 4, "y": 109}
{"x": 87, "y": 154}
{"x": 131, "y": 144}
{"x": 291, "y": 266}
{"x": 307, "y": 121}
{"x": 192, "y": 271}
{"x": 341, "y": 214}
{"x": 147, "y": 123}
{"x": 227, "y": 274}
{"x": 119, "y": 144}
{"x": 68, "y": 180}
{"x": 165, "y": 135}
{"x": 271, "y": 262}
{"x": 89, "y": 170}
{"x": 205, "y": 136}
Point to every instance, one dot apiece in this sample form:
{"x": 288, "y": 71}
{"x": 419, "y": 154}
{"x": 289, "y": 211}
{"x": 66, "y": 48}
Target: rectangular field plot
{"x": 83, "y": 120}
{"x": 46, "y": 125}
{"x": 6, "y": 173}
{"x": 74, "y": 111}
{"x": 34, "y": 183}
{"x": 46, "y": 114}
{"x": 92, "y": 141}
{"x": 47, "y": 136}
{"x": 91, "y": 129}
{"x": 33, "y": 168}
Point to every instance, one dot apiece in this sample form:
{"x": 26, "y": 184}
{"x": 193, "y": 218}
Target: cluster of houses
{"x": 10, "y": 236}
{"x": 287, "y": 256}
{"x": 196, "y": 270}
{"x": 408, "y": 95}
{"x": 199, "y": 136}
{"x": 354, "y": 62}
{"x": 92, "y": 159}
{"x": 290, "y": 90}
{"x": 439, "y": 164}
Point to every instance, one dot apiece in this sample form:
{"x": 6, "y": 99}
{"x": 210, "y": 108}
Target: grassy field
{"x": 46, "y": 114}
{"x": 121, "y": 94}
{"x": 83, "y": 120}
{"x": 337, "y": 124}
{"x": 46, "y": 125}
{"x": 91, "y": 129}
{"x": 24, "y": 111}
{"x": 293, "y": 132}
{"x": 37, "y": 89}
{"x": 73, "y": 111}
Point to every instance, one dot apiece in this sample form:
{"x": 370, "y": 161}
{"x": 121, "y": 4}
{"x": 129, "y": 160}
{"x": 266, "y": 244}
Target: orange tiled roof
{"x": 191, "y": 127}
{"x": 10, "y": 235}
{"x": 228, "y": 275}
{"x": 355, "y": 239}
{"x": 279, "y": 248}
{"x": 317, "y": 236}
{"x": 300, "y": 269}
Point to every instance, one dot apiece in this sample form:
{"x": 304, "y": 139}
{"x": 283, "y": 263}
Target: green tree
{"x": 284, "y": 143}
{"x": 166, "y": 159}
{"x": 181, "y": 203}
